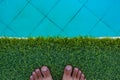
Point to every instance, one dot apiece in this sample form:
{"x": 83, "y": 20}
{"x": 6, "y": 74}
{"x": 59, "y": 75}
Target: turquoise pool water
{"x": 68, "y": 18}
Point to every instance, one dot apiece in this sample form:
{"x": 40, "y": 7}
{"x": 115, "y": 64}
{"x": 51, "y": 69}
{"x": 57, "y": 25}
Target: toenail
{"x": 80, "y": 72}
{"x": 76, "y": 69}
{"x": 37, "y": 70}
{"x": 31, "y": 77}
{"x": 44, "y": 68}
{"x": 82, "y": 75}
{"x": 33, "y": 73}
{"x": 68, "y": 67}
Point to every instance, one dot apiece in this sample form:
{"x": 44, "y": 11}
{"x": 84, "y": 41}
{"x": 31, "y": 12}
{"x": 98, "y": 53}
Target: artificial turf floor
{"x": 99, "y": 59}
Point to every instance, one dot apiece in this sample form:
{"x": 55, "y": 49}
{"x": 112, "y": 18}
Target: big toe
{"x": 46, "y": 73}
{"x": 67, "y": 72}
{"x": 74, "y": 74}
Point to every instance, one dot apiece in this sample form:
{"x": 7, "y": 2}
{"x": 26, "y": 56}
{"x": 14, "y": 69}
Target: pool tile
{"x": 9, "y": 33}
{"x": 99, "y": 7}
{"x": 26, "y": 21}
{"x": 10, "y": 8}
{"x": 46, "y": 29}
{"x": 2, "y": 27}
{"x": 1, "y": 1}
{"x": 101, "y": 30}
{"x": 82, "y": 24}
{"x": 119, "y": 33}
{"x": 113, "y": 17}
{"x": 64, "y": 11}
{"x": 44, "y": 5}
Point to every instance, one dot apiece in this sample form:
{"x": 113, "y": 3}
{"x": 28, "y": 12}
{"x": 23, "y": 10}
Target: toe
{"x": 67, "y": 73}
{"x": 79, "y": 75}
{"x": 68, "y": 70}
{"x": 82, "y": 77}
{"x": 31, "y": 78}
{"x": 38, "y": 73}
{"x": 48, "y": 74}
{"x": 34, "y": 76}
{"x": 75, "y": 73}
{"x": 44, "y": 71}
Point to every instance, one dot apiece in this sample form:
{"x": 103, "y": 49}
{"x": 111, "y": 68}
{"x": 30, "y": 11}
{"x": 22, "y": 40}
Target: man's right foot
{"x": 70, "y": 74}
{"x": 43, "y": 74}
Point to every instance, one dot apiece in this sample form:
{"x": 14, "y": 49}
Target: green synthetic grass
{"x": 99, "y": 59}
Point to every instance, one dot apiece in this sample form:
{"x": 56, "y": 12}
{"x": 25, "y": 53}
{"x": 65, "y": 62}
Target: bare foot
{"x": 76, "y": 74}
{"x": 43, "y": 74}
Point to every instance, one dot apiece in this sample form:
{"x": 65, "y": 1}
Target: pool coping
{"x": 118, "y": 37}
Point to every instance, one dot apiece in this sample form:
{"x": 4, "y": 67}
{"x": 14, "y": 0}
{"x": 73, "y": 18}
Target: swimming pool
{"x": 33, "y": 18}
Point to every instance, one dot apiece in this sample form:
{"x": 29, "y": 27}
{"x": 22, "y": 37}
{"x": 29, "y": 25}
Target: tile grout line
{"x": 14, "y": 18}
{"x": 7, "y": 27}
{"x": 73, "y": 17}
{"x": 45, "y": 16}
{"x": 100, "y": 20}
